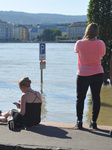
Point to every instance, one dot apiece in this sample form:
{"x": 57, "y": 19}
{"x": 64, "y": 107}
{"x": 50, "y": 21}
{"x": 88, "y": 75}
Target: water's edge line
{"x": 71, "y": 125}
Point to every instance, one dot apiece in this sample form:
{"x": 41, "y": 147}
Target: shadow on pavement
{"x": 100, "y": 132}
{"x": 47, "y": 131}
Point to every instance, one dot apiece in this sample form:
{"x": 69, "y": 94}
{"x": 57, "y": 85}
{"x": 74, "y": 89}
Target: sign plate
{"x": 42, "y": 65}
{"x": 42, "y": 51}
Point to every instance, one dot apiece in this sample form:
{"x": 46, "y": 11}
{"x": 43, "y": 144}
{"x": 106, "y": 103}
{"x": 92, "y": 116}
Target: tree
{"x": 100, "y": 12}
{"x": 56, "y": 32}
{"x": 49, "y": 35}
{"x": 78, "y": 37}
{"x": 58, "y": 38}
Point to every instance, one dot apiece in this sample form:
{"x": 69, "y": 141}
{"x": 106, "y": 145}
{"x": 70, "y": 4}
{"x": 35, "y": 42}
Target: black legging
{"x": 95, "y": 83}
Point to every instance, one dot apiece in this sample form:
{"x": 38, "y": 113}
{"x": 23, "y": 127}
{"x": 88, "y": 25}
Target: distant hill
{"x": 30, "y": 18}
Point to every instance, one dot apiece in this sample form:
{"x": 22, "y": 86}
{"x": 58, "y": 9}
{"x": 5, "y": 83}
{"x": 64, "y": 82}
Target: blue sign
{"x": 42, "y": 51}
{"x": 42, "y": 48}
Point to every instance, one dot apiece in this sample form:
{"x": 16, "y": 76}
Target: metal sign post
{"x": 42, "y": 56}
{"x": 42, "y": 66}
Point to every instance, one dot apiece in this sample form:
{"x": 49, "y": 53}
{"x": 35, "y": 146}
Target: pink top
{"x": 89, "y": 56}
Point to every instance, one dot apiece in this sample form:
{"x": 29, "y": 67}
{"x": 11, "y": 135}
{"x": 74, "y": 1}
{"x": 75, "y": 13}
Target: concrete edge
{"x": 71, "y": 126}
{"x": 29, "y": 147}
{"x": 66, "y": 125}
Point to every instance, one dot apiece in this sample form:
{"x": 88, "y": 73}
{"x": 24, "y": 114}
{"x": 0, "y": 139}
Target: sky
{"x": 65, "y": 7}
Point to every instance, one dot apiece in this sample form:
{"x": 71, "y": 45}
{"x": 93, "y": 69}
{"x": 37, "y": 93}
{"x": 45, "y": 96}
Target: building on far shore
{"x": 33, "y": 33}
{"x": 6, "y": 31}
{"x": 25, "y": 33}
{"x": 9, "y": 31}
{"x": 21, "y": 33}
{"x": 63, "y": 30}
{"x": 76, "y": 30}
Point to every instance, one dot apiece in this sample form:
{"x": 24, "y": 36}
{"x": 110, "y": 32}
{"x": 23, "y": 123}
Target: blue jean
{"x": 83, "y": 82}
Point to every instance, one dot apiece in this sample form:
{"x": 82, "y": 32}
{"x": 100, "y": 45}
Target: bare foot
{"x": 3, "y": 119}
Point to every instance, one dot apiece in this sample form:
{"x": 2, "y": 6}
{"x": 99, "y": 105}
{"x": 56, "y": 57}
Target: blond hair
{"x": 24, "y": 82}
{"x": 91, "y": 31}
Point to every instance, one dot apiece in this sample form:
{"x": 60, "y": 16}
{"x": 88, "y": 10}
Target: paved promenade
{"x": 55, "y": 136}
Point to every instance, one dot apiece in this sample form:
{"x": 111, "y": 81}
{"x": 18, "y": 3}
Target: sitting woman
{"x": 29, "y": 109}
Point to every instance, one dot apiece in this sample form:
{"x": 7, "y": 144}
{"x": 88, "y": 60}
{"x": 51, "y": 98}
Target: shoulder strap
{"x": 35, "y": 97}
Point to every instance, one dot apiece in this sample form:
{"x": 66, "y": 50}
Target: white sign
{"x": 42, "y": 51}
{"x": 42, "y": 65}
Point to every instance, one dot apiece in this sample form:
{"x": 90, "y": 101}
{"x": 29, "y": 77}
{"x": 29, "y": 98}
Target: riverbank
{"x": 60, "y": 41}
{"x": 55, "y": 136}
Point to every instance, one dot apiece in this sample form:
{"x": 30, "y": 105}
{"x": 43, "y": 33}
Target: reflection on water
{"x": 44, "y": 111}
{"x": 105, "y": 116}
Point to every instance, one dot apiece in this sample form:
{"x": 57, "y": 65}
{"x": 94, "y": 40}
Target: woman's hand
{"x": 17, "y": 104}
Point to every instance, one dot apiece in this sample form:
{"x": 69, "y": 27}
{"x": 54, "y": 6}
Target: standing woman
{"x": 90, "y": 72}
{"x": 29, "y": 110}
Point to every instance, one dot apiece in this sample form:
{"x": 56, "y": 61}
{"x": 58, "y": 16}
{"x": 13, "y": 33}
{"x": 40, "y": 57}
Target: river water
{"x": 18, "y": 60}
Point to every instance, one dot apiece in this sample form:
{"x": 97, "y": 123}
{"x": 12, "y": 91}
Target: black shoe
{"x": 93, "y": 125}
{"x": 79, "y": 125}
{"x": 11, "y": 123}
{"x": 110, "y": 133}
